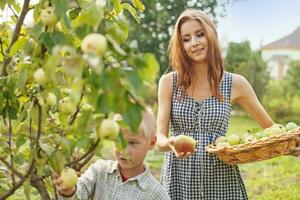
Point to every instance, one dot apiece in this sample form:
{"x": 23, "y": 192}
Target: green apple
{"x": 282, "y": 128}
{"x": 220, "y": 139}
{"x": 247, "y": 138}
{"x": 222, "y": 145}
{"x": 108, "y": 129}
{"x": 67, "y": 106}
{"x": 233, "y": 139}
{"x": 51, "y": 99}
{"x": 274, "y": 130}
{"x": 69, "y": 177}
{"x": 291, "y": 126}
{"x": 184, "y": 144}
{"x": 40, "y": 76}
{"x": 48, "y": 16}
{"x": 94, "y": 43}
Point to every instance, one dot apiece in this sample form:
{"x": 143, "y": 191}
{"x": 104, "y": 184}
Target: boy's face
{"x": 135, "y": 152}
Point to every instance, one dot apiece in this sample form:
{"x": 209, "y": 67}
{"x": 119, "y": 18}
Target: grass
{"x": 274, "y": 179}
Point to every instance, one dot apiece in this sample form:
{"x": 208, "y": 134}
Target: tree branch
{"x": 92, "y": 148}
{"x": 15, "y": 14}
{"x": 24, "y": 11}
{"x": 19, "y": 183}
{"x": 11, "y": 168}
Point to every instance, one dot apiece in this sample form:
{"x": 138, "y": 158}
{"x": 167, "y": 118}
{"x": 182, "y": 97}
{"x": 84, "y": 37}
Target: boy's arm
{"x": 86, "y": 183}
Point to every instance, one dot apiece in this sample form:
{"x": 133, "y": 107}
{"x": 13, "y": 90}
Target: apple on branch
{"x": 48, "y": 16}
{"x": 94, "y": 43}
{"x": 108, "y": 129}
{"x": 184, "y": 144}
{"x": 40, "y": 76}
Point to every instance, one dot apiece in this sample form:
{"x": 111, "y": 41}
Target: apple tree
{"x": 66, "y": 70}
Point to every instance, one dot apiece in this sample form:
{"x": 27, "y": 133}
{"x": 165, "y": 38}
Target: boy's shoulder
{"x": 154, "y": 187}
{"x": 107, "y": 166}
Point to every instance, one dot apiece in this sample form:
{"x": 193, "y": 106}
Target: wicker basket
{"x": 261, "y": 149}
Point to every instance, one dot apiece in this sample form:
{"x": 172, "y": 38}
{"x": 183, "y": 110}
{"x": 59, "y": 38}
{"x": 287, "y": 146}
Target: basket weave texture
{"x": 261, "y": 149}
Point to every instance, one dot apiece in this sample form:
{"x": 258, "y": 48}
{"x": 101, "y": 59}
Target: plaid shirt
{"x": 102, "y": 180}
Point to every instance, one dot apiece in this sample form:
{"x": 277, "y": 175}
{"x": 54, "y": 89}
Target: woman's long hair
{"x": 181, "y": 62}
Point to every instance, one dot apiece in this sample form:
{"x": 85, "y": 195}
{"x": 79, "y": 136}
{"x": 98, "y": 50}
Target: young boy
{"x": 125, "y": 178}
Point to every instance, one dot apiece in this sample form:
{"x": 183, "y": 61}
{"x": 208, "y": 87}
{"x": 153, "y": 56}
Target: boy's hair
{"x": 148, "y": 123}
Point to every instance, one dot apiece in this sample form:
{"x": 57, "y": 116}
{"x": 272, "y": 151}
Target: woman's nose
{"x": 195, "y": 42}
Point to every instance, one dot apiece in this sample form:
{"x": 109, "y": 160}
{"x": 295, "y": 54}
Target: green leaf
{"x": 2, "y": 5}
{"x": 120, "y": 142}
{"x": 27, "y": 189}
{"x": 138, "y": 4}
{"x": 22, "y": 78}
{"x": 149, "y": 73}
{"x": 61, "y": 8}
{"x": 59, "y": 38}
{"x": 117, "y": 6}
{"x": 83, "y": 142}
{"x": 74, "y": 12}
{"x": 18, "y": 45}
{"x": 57, "y": 161}
{"x": 119, "y": 31}
{"x": 36, "y": 30}
{"x": 115, "y": 45}
{"x": 47, "y": 148}
{"x": 47, "y": 40}
{"x": 133, "y": 116}
{"x": 132, "y": 11}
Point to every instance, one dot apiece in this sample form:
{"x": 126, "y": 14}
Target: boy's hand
{"x": 61, "y": 188}
{"x": 180, "y": 155}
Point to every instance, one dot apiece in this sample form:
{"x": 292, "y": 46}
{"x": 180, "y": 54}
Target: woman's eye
{"x": 200, "y": 34}
{"x": 186, "y": 39}
{"x": 132, "y": 143}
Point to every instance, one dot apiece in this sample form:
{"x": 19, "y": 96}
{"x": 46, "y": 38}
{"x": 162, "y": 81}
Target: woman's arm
{"x": 164, "y": 111}
{"x": 243, "y": 94}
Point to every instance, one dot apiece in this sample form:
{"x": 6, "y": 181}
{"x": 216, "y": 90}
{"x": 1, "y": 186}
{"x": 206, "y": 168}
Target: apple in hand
{"x": 291, "y": 126}
{"x": 69, "y": 177}
{"x": 108, "y": 130}
{"x": 94, "y": 43}
{"x": 184, "y": 144}
{"x": 48, "y": 16}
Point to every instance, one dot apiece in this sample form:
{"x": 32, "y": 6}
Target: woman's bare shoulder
{"x": 166, "y": 78}
{"x": 239, "y": 81}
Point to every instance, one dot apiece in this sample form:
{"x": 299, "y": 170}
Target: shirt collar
{"x": 141, "y": 178}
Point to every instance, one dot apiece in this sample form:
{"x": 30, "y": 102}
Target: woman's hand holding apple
{"x": 183, "y": 146}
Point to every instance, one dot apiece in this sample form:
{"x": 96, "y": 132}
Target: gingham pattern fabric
{"x": 202, "y": 175}
{"x": 102, "y": 181}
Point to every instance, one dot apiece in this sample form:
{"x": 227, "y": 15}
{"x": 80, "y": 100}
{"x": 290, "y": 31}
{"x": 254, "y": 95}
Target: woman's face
{"x": 194, "y": 41}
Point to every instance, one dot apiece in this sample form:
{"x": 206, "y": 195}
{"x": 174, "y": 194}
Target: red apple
{"x": 184, "y": 144}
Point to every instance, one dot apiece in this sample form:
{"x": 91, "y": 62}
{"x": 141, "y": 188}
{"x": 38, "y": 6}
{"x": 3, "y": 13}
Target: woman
{"x": 196, "y": 99}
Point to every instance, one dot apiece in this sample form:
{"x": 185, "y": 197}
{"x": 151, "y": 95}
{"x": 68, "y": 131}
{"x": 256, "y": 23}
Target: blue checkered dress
{"x": 202, "y": 175}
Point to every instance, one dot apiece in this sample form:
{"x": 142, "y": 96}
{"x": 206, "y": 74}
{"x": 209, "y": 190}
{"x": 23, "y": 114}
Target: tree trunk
{"x": 38, "y": 183}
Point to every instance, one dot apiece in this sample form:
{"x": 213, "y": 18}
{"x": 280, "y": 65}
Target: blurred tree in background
{"x": 282, "y": 97}
{"x": 242, "y": 60}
